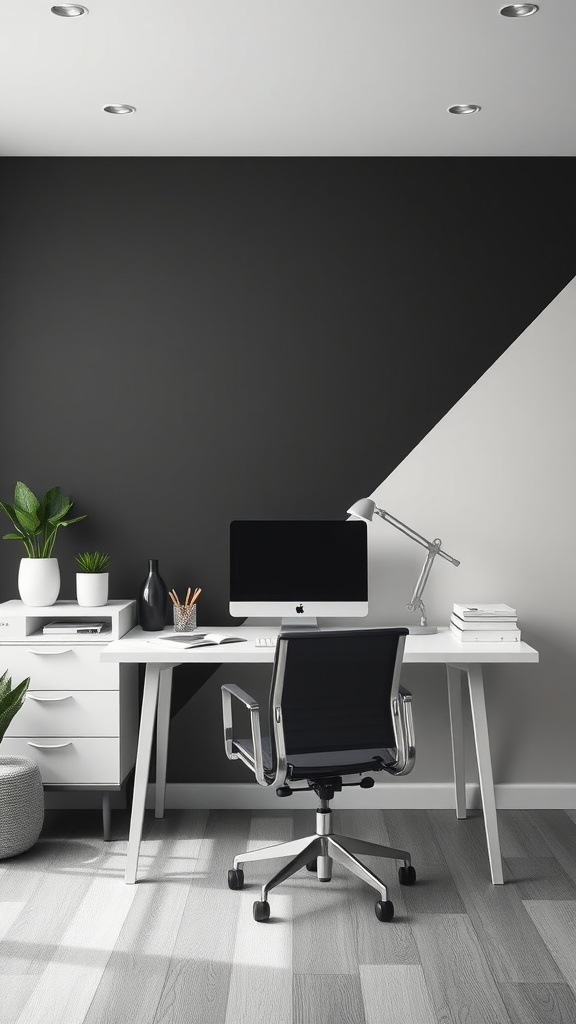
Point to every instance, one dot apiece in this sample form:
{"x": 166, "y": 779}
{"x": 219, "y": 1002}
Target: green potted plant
{"x": 21, "y": 790}
{"x": 92, "y": 580}
{"x": 36, "y": 523}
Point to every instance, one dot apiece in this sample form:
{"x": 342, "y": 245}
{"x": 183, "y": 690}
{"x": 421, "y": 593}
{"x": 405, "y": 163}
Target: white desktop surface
{"x": 462, "y": 660}
{"x": 441, "y": 648}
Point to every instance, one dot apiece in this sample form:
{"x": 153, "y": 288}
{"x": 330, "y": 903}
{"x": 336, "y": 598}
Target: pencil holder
{"x": 184, "y": 618}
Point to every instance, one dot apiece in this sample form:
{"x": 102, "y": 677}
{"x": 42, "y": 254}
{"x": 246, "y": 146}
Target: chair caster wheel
{"x": 261, "y": 910}
{"x": 235, "y": 878}
{"x": 312, "y": 865}
{"x": 406, "y": 876}
{"x": 384, "y": 910}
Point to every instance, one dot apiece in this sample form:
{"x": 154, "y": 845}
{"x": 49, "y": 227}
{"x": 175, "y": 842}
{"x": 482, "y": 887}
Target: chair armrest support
{"x": 231, "y": 690}
{"x": 404, "y": 732}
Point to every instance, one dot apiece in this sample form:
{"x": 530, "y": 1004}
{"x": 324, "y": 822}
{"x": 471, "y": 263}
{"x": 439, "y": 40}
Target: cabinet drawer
{"x": 77, "y": 761}
{"x": 59, "y": 667}
{"x": 67, "y": 713}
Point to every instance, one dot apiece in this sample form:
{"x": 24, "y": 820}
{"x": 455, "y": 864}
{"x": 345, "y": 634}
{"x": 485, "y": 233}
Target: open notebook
{"x": 195, "y": 639}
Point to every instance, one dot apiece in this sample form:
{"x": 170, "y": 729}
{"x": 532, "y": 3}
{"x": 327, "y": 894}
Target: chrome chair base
{"x": 324, "y": 847}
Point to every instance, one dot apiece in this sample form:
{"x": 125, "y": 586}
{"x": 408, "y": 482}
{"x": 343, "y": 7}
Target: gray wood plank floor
{"x": 77, "y": 945}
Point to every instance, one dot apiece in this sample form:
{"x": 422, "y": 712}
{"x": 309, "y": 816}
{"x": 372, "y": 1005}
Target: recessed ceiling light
{"x": 464, "y": 108}
{"x": 69, "y": 10}
{"x": 518, "y": 10}
{"x": 119, "y": 108}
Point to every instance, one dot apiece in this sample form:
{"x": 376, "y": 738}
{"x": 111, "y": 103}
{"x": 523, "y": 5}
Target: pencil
{"x": 174, "y": 597}
{"x": 196, "y": 595}
{"x": 188, "y": 592}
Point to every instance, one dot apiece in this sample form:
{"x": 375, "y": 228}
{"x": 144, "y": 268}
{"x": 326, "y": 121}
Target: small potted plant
{"x": 92, "y": 580}
{"x": 36, "y": 522}
{"x": 21, "y": 789}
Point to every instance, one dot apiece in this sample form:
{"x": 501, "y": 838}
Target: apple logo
{"x": 300, "y": 609}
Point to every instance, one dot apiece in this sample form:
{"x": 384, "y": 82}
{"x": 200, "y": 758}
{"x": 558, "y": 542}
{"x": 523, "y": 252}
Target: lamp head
{"x": 363, "y": 509}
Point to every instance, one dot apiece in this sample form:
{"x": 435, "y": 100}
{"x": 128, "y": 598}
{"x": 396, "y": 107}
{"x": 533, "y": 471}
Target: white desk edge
{"x": 441, "y": 648}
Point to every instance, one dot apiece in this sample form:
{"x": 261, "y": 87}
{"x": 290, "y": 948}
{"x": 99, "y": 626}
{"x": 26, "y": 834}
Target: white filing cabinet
{"x": 79, "y": 721}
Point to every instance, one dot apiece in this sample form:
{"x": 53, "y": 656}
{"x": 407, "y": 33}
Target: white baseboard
{"x": 393, "y": 795}
{"x": 396, "y": 796}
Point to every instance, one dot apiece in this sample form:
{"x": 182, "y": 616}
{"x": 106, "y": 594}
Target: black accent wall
{"x": 190, "y": 341}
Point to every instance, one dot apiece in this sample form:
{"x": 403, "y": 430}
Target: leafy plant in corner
{"x": 37, "y": 520}
{"x": 11, "y": 700}
{"x": 93, "y": 561}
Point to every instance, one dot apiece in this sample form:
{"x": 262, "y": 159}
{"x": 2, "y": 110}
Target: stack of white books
{"x": 485, "y": 623}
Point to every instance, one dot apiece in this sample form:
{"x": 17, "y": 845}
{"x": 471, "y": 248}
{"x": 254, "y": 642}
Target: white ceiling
{"x": 287, "y": 78}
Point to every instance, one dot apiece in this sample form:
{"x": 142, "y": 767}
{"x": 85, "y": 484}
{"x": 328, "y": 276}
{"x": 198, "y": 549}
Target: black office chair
{"x": 336, "y": 709}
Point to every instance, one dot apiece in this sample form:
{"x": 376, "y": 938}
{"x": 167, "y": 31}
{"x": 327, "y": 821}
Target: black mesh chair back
{"x": 335, "y": 689}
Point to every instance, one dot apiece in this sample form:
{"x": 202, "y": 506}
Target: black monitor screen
{"x": 298, "y": 560}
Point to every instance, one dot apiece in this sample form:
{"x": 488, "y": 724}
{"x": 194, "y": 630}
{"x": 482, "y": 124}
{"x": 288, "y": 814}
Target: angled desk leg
{"x": 454, "y": 678}
{"x": 162, "y": 730}
{"x": 480, "y": 723}
{"x": 145, "y": 735}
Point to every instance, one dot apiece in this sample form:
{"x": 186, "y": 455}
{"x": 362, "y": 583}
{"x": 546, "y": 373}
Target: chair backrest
{"x": 335, "y": 690}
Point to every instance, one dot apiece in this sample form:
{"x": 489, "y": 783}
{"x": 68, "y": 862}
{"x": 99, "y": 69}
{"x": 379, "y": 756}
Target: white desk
{"x": 438, "y": 648}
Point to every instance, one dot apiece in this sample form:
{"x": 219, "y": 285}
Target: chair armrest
{"x": 257, "y": 766}
{"x": 240, "y": 694}
{"x": 404, "y": 732}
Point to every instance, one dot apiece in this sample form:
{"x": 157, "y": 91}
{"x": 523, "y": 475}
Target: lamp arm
{"x": 434, "y": 547}
{"x": 365, "y": 509}
{"x": 416, "y": 601}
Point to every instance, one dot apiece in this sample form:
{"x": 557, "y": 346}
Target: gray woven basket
{"x": 21, "y": 805}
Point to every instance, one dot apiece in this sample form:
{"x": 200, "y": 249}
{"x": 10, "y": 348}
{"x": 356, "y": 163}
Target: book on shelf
{"x": 72, "y": 626}
{"x": 195, "y": 639}
{"x": 489, "y": 636}
{"x": 475, "y": 612}
{"x": 482, "y": 624}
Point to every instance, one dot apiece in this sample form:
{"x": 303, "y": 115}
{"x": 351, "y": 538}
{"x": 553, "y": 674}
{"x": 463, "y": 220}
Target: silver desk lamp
{"x": 366, "y": 509}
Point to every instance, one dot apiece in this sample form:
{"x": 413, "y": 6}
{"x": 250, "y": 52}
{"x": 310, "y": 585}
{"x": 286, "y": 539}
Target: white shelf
{"x": 21, "y": 624}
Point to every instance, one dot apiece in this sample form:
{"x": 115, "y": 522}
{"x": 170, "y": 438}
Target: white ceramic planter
{"x": 39, "y": 581}
{"x": 91, "y": 589}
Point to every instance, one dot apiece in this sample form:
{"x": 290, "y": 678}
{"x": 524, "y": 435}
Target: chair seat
{"x": 328, "y": 762}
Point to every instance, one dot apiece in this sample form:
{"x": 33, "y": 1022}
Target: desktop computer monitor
{"x": 297, "y": 570}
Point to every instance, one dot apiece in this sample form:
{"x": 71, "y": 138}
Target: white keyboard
{"x": 265, "y": 641}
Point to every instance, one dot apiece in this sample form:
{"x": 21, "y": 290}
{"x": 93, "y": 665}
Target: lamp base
{"x": 421, "y": 630}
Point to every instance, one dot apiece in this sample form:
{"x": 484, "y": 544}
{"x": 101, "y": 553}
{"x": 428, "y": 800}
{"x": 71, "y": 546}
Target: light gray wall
{"x": 495, "y": 479}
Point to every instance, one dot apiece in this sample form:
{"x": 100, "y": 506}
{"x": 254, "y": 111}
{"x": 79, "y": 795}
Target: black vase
{"x": 153, "y": 599}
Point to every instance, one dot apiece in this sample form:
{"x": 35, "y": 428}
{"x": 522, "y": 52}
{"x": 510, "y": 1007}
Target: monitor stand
{"x": 291, "y": 623}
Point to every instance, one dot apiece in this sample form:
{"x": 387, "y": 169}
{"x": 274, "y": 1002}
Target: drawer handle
{"x": 50, "y": 650}
{"x": 49, "y": 746}
{"x": 32, "y": 696}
